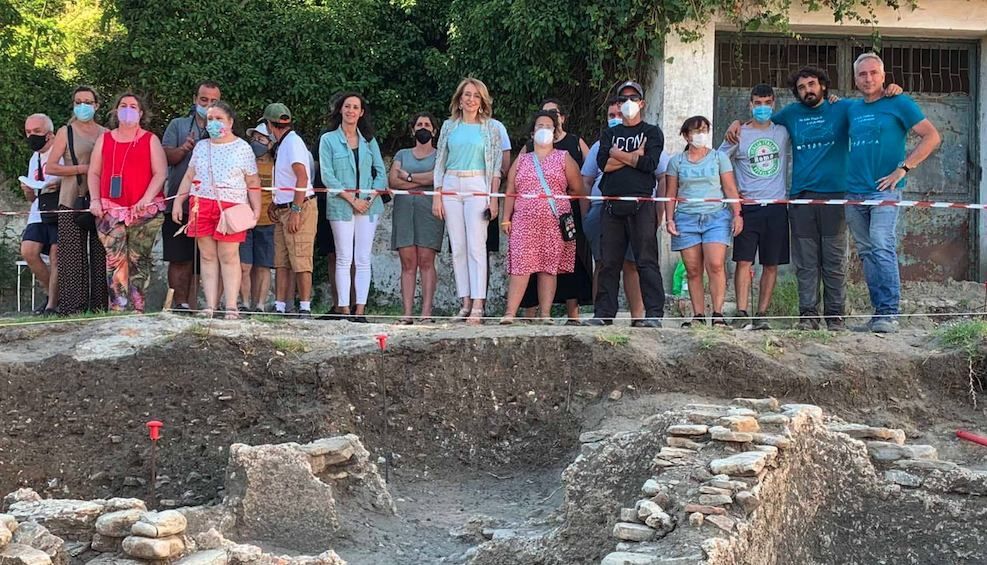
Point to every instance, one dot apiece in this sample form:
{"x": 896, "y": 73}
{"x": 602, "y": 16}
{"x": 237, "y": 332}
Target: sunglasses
{"x": 631, "y": 97}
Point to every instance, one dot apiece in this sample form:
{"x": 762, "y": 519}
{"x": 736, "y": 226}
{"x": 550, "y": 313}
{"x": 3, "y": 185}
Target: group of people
{"x": 231, "y": 210}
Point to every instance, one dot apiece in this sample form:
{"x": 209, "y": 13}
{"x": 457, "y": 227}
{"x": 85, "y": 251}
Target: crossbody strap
{"x": 544, "y": 184}
{"x": 75, "y": 160}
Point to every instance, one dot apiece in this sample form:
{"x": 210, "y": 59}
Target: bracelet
{"x": 507, "y": 223}
{"x": 295, "y": 208}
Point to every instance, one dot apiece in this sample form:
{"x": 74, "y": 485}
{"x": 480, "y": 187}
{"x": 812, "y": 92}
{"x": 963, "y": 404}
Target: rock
{"x": 683, "y": 443}
{"x": 773, "y": 420}
{"x": 714, "y": 547}
{"x": 886, "y": 452}
{"x": 332, "y": 451}
{"x": 593, "y": 437}
{"x": 696, "y": 519}
{"x": 629, "y": 531}
{"x": 628, "y": 515}
{"x": 739, "y": 424}
{"x": 660, "y": 521}
{"x": 720, "y": 433}
{"x": 106, "y": 544}
{"x": 160, "y": 524}
{"x": 807, "y": 410}
{"x": 860, "y": 431}
{"x": 37, "y": 536}
{"x": 747, "y": 501}
{"x": 615, "y": 395}
{"x": 715, "y": 499}
{"x": 73, "y": 519}
{"x": 20, "y": 495}
{"x": 76, "y": 548}
{"x": 203, "y": 518}
{"x": 727, "y": 484}
{"x": 646, "y": 508}
{"x": 628, "y": 558}
{"x": 244, "y": 553}
{"x": 9, "y": 522}
{"x": 715, "y": 490}
{"x": 903, "y": 478}
{"x": 693, "y": 508}
{"x": 724, "y": 523}
{"x": 17, "y": 554}
{"x": 687, "y": 430}
{"x": 134, "y": 482}
{"x": 672, "y": 453}
{"x": 152, "y": 549}
{"x": 735, "y": 411}
{"x": 925, "y": 465}
{"x": 211, "y": 539}
{"x": 747, "y": 464}
{"x": 769, "y": 404}
{"x": 117, "y": 524}
{"x": 207, "y": 557}
{"x": 118, "y": 504}
{"x": 472, "y": 529}
{"x": 769, "y": 449}
{"x": 779, "y": 441}
{"x": 5, "y": 536}
{"x": 651, "y": 487}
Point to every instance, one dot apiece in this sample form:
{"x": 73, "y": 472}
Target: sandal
{"x": 475, "y": 318}
{"x": 232, "y": 315}
{"x": 699, "y": 320}
{"x": 428, "y": 320}
{"x": 545, "y": 321}
{"x": 404, "y": 321}
{"x": 461, "y": 315}
{"x": 507, "y": 320}
{"x": 719, "y": 321}
{"x": 205, "y": 313}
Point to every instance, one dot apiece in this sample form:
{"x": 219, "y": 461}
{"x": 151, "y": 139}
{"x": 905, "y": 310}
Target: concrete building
{"x": 936, "y": 53}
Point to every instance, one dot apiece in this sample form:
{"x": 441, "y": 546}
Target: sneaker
{"x": 883, "y": 325}
{"x": 835, "y": 324}
{"x": 758, "y": 323}
{"x": 646, "y": 323}
{"x": 574, "y": 323}
{"x": 808, "y": 321}
{"x": 305, "y": 314}
{"x": 598, "y": 322}
{"x": 742, "y": 320}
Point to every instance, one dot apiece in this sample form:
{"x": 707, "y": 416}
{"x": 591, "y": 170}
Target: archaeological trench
{"x": 303, "y": 443}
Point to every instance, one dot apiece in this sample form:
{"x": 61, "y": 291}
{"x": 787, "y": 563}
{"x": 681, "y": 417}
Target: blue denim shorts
{"x": 258, "y": 248}
{"x": 696, "y": 229}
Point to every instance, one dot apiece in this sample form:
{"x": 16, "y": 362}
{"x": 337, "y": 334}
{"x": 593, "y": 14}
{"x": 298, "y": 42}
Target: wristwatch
{"x": 295, "y": 208}
{"x": 904, "y": 167}
{"x": 409, "y": 177}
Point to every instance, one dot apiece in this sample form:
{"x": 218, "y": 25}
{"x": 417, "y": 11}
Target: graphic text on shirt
{"x": 629, "y": 143}
{"x": 764, "y": 157}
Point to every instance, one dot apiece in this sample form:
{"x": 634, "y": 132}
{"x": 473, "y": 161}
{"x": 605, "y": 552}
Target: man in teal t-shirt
{"x": 877, "y": 168}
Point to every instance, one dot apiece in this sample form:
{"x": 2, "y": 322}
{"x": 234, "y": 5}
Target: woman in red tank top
{"x": 126, "y": 176}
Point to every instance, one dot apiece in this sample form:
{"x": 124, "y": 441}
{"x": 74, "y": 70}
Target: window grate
{"x": 927, "y": 68}
{"x": 747, "y": 61}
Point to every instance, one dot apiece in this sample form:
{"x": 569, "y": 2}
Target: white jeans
{"x": 354, "y": 238}
{"x": 467, "y": 234}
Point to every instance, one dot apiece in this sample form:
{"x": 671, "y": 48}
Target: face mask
{"x": 544, "y": 137}
{"x": 259, "y": 148}
{"x": 700, "y": 139}
{"x": 423, "y": 136}
{"x": 128, "y": 116}
{"x": 762, "y": 113}
{"x": 36, "y": 142}
{"x": 630, "y": 109}
{"x": 215, "y": 128}
{"x": 614, "y": 122}
{"x": 201, "y": 111}
{"x": 83, "y": 112}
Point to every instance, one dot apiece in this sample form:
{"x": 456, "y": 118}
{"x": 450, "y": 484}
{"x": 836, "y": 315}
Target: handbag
{"x": 567, "y": 224}
{"x": 236, "y": 218}
{"x": 82, "y": 218}
{"x": 48, "y": 206}
{"x": 622, "y": 208}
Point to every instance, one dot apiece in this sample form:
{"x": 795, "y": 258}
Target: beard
{"x": 812, "y": 99}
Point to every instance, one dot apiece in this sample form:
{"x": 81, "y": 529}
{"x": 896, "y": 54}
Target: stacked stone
{"x": 329, "y": 455}
{"x": 156, "y": 536}
{"x": 13, "y": 551}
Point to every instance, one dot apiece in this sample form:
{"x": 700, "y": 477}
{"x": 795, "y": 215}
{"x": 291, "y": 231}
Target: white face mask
{"x": 544, "y": 137}
{"x": 630, "y": 109}
{"x": 700, "y": 139}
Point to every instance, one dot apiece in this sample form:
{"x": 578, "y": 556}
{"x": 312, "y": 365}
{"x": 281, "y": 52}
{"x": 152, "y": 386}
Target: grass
{"x": 199, "y": 330}
{"x": 288, "y": 345}
{"x": 967, "y": 336}
{"x": 614, "y": 339}
{"x": 820, "y": 336}
{"x": 785, "y": 298}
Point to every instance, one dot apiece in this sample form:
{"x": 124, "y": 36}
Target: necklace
{"x": 113, "y": 160}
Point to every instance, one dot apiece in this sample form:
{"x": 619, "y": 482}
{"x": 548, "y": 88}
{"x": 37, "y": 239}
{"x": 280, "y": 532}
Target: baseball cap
{"x": 278, "y": 113}
{"x": 260, "y": 128}
{"x": 629, "y": 84}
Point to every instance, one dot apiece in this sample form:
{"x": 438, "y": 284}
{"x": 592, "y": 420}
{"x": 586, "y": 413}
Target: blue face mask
{"x": 762, "y": 113}
{"x": 614, "y": 122}
{"x": 84, "y": 112}
{"x": 201, "y": 111}
{"x": 215, "y": 128}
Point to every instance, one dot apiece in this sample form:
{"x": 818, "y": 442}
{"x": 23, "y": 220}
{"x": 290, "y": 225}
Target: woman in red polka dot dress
{"x": 535, "y": 244}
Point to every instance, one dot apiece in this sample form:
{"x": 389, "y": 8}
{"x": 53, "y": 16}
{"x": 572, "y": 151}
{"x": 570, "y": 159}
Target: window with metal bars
{"x": 744, "y": 62}
{"x": 927, "y": 68}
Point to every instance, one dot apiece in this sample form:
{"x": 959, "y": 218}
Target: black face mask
{"x": 423, "y": 136}
{"x": 37, "y": 142}
{"x": 259, "y": 147}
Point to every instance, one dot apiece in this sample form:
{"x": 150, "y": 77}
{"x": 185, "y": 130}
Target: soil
{"x": 481, "y": 421}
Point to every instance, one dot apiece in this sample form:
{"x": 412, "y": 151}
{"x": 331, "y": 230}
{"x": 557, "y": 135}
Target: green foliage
{"x": 967, "y": 336}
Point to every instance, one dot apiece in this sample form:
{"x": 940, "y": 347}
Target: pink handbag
{"x": 234, "y": 219}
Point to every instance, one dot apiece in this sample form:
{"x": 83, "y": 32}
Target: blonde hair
{"x": 486, "y": 102}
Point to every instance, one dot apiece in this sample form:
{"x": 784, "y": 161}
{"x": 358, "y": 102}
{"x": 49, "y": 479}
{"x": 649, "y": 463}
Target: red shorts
{"x": 204, "y": 217}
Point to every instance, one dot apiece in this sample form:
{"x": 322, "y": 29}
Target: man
{"x": 877, "y": 169}
{"x": 179, "y": 139}
{"x": 629, "y": 153}
{"x": 257, "y": 252}
{"x": 760, "y": 163}
{"x": 40, "y": 237}
{"x": 293, "y": 211}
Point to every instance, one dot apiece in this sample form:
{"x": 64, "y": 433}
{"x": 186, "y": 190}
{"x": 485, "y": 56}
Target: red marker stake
{"x": 382, "y": 345}
{"x": 154, "y": 432}
{"x": 963, "y": 434}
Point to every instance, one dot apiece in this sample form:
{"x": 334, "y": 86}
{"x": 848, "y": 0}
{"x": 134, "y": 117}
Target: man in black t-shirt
{"x": 629, "y": 154}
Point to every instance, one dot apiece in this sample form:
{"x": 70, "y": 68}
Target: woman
{"x": 416, "y": 234}
{"x": 350, "y": 160}
{"x": 81, "y": 257}
{"x": 467, "y": 160}
{"x": 217, "y": 178}
{"x": 535, "y": 243}
{"x": 127, "y": 172}
{"x": 574, "y": 289}
{"x": 702, "y": 230}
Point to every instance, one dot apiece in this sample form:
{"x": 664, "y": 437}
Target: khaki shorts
{"x": 294, "y": 250}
